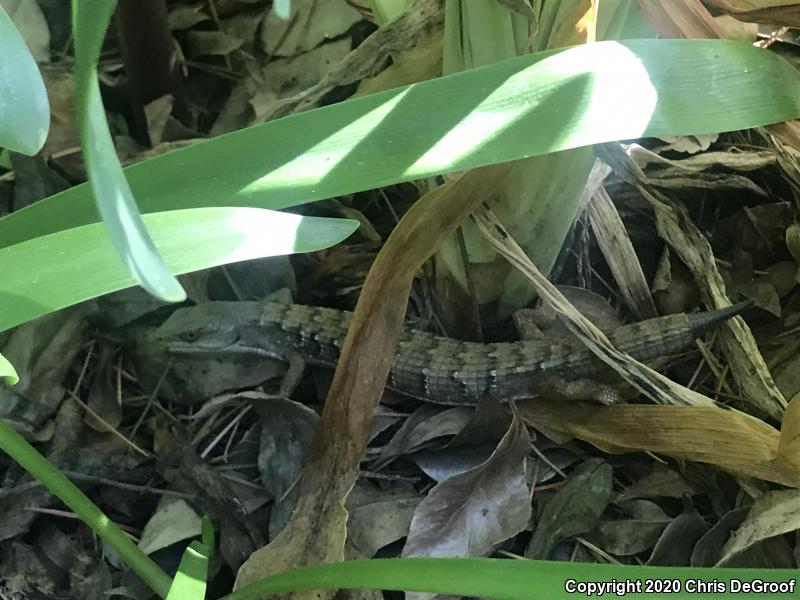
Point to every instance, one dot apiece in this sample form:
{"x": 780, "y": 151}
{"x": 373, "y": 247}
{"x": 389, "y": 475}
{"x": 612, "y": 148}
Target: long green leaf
{"x": 8, "y": 372}
{"x": 66, "y": 267}
{"x": 190, "y": 580}
{"x": 114, "y": 198}
{"x": 510, "y": 579}
{"x": 516, "y": 108}
{"x": 24, "y": 109}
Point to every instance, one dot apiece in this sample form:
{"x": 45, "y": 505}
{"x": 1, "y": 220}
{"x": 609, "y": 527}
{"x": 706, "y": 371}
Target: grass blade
{"x": 190, "y": 580}
{"x": 501, "y": 578}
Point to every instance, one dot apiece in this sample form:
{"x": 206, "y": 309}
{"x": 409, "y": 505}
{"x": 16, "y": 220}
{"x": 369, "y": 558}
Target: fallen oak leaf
{"x": 471, "y": 512}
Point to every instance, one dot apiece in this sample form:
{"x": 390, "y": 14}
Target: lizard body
{"x": 429, "y": 367}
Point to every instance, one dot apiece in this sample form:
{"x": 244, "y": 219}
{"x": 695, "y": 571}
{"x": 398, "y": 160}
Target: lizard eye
{"x": 189, "y": 336}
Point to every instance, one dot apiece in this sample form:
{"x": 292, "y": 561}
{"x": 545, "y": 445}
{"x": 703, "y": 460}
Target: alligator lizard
{"x": 426, "y": 366}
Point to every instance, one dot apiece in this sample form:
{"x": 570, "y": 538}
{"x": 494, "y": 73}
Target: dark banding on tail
{"x": 704, "y": 322}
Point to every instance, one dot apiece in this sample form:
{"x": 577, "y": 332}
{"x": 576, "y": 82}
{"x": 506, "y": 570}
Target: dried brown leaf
{"x": 25, "y": 575}
{"x": 633, "y": 534}
{"x": 418, "y": 22}
{"x": 727, "y": 438}
{"x": 771, "y": 553}
{"x": 674, "y": 547}
{"x": 619, "y": 253}
{"x": 185, "y": 16}
{"x": 426, "y": 424}
{"x": 42, "y": 351}
{"x": 708, "y": 548}
{"x": 378, "y": 517}
{"x": 173, "y": 521}
{"x": 574, "y": 509}
{"x": 793, "y": 241}
{"x": 317, "y": 530}
{"x": 443, "y": 463}
{"x": 733, "y": 29}
{"x": 772, "y": 12}
{"x": 687, "y": 19}
{"x": 287, "y": 428}
{"x": 310, "y": 24}
{"x": 211, "y": 43}
{"x": 468, "y": 514}
{"x": 775, "y": 513}
{"x": 690, "y": 245}
{"x": 747, "y": 364}
{"x": 661, "y": 481}
{"x": 671, "y": 179}
{"x": 424, "y": 61}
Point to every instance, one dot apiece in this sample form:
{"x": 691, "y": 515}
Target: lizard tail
{"x": 703, "y": 322}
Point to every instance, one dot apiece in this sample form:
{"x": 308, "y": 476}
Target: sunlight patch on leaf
{"x": 111, "y": 190}
{"x": 40, "y": 275}
{"x": 282, "y": 8}
{"x": 618, "y": 100}
{"x": 322, "y": 158}
{"x": 7, "y": 371}
{"x": 190, "y": 580}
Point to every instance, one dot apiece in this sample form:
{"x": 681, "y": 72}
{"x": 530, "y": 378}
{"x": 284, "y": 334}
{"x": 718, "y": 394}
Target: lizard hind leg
{"x": 584, "y": 389}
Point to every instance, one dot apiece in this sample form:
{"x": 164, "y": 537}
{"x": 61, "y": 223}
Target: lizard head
{"x": 205, "y": 328}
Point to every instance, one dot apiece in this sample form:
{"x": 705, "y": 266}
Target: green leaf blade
{"x": 512, "y": 109}
{"x": 24, "y": 108}
{"x": 67, "y": 267}
{"x": 106, "y": 177}
{"x": 190, "y": 580}
{"x": 503, "y": 579}
{"x": 8, "y": 372}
